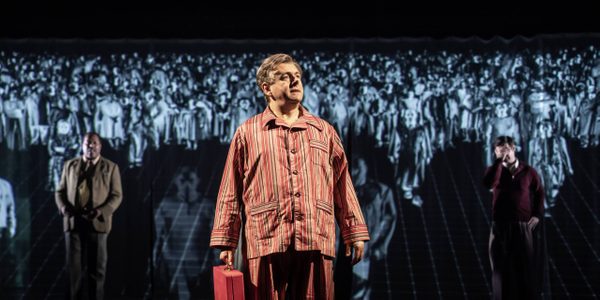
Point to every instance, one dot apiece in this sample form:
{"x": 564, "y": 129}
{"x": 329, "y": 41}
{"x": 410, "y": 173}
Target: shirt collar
{"x": 94, "y": 162}
{"x": 515, "y": 166}
{"x": 268, "y": 117}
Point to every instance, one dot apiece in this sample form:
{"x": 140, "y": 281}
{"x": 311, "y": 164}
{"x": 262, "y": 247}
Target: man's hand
{"x": 533, "y": 222}
{"x": 91, "y": 214}
{"x": 500, "y": 154}
{"x": 358, "y": 247}
{"x": 227, "y": 257}
{"x": 65, "y": 211}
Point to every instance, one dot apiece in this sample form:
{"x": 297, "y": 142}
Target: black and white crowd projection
{"x": 418, "y": 119}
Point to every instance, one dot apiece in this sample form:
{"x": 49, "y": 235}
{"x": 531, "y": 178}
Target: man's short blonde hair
{"x": 263, "y": 74}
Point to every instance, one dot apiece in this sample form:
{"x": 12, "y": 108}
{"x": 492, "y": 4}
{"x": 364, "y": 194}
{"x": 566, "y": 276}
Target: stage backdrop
{"x": 417, "y": 118}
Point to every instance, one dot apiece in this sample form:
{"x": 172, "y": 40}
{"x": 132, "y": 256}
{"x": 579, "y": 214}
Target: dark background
{"x": 293, "y": 19}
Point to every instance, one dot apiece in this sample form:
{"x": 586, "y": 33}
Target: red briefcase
{"x": 229, "y": 283}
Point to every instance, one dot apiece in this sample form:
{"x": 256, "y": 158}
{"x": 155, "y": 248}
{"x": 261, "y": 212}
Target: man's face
{"x": 63, "y": 127}
{"x": 287, "y": 84}
{"x": 502, "y": 111}
{"x": 244, "y": 103}
{"x": 91, "y": 147}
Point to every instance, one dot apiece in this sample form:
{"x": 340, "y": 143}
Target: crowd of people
{"x": 411, "y": 102}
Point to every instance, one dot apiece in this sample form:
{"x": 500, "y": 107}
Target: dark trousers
{"x": 512, "y": 261}
{"x": 86, "y": 261}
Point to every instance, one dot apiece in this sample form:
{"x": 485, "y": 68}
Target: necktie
{"x": 83, "y": 188}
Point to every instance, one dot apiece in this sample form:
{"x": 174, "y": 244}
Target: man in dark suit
{"x": 88, "y": 194}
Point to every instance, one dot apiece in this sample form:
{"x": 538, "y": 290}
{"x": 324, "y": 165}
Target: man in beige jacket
{"x": 88, "y": 194}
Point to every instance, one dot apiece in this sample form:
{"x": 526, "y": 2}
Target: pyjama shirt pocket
{"x": 324, "y": 217}
{"x": 265, "y": 219}
{"x": 319, "y": 151}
